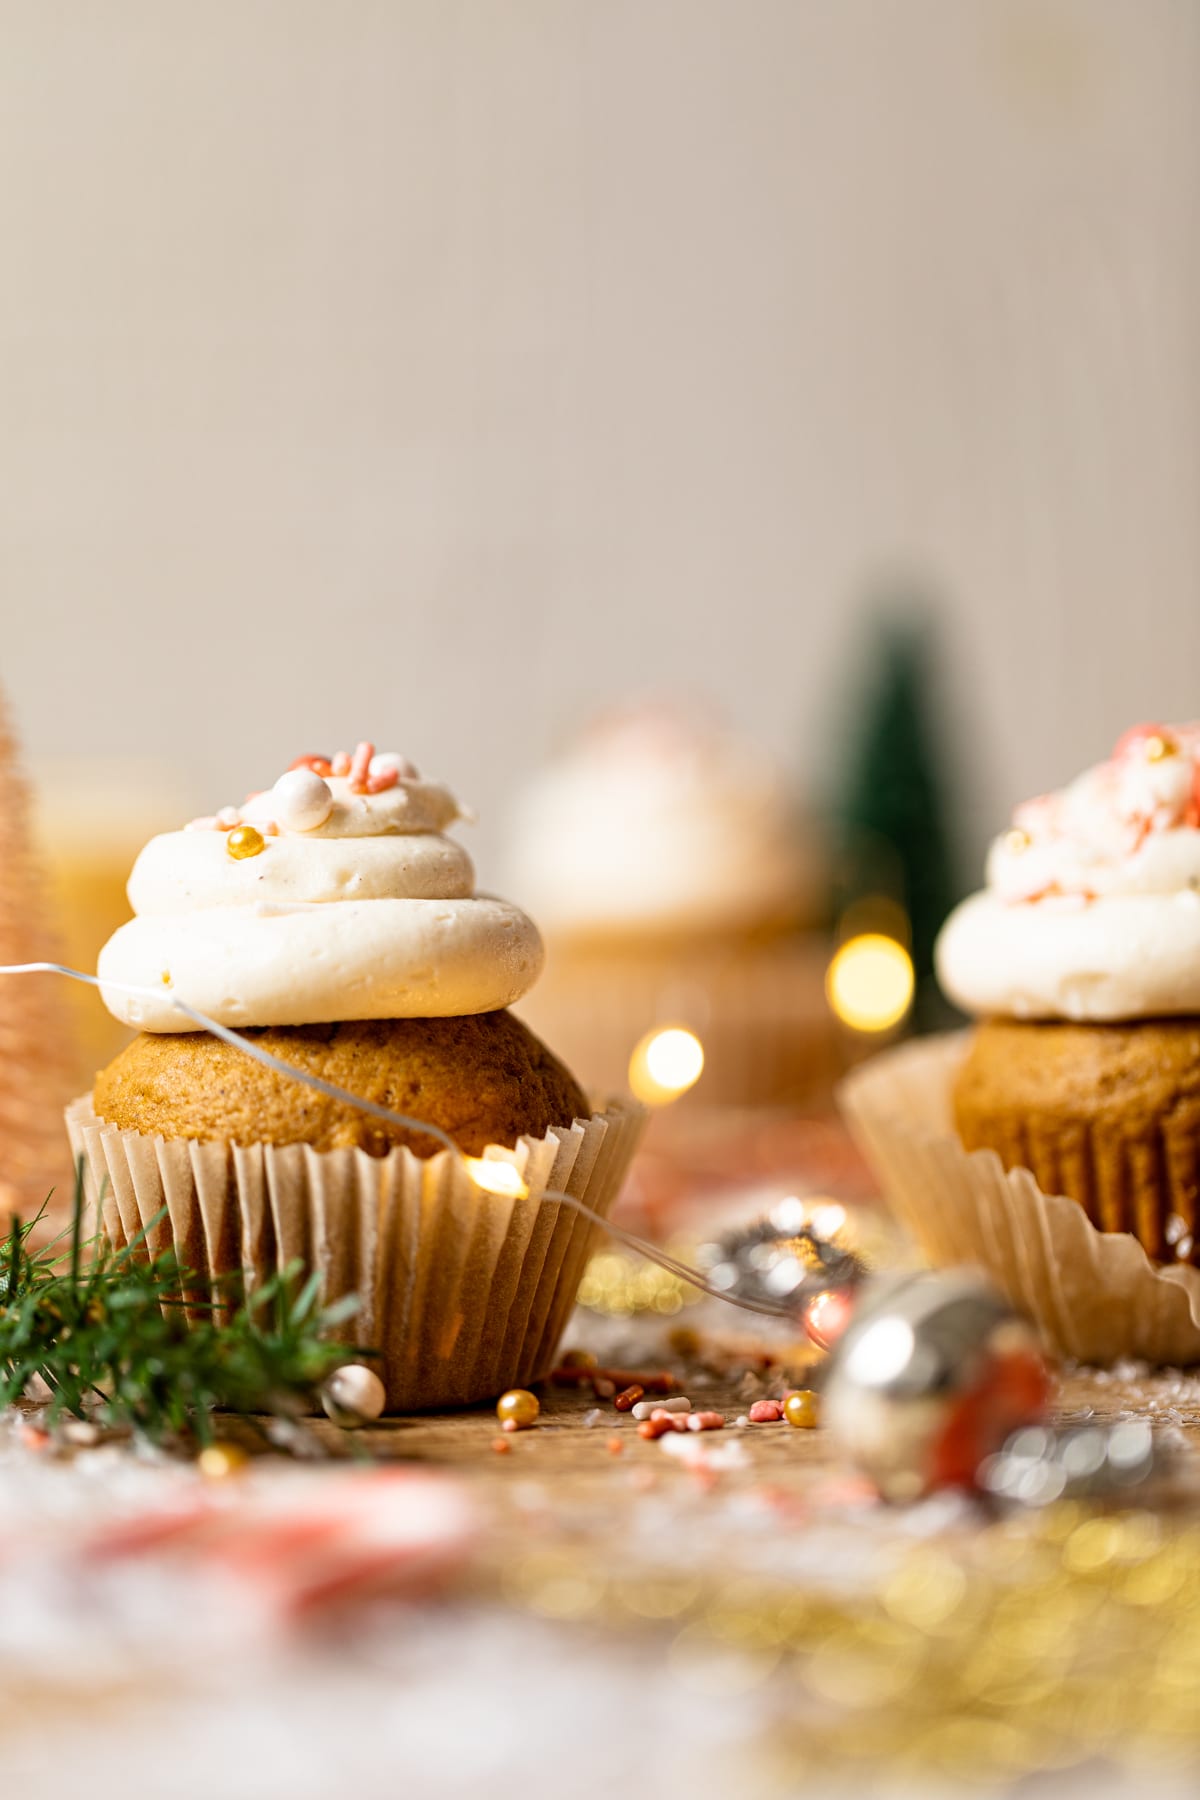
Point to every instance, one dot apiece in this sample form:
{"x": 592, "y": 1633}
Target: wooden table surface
{"x": 571, "y": 1449}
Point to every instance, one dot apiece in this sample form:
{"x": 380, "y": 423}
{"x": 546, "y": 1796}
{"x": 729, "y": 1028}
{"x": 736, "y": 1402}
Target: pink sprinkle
{"x": 227, "y": 818}
{"x": 341, "y": 763}
{"x": 360, "y": 767}
{"x": 765, "y": 1412}
{"x": 706, "y": 1421}
{"x": 379, "y": 784}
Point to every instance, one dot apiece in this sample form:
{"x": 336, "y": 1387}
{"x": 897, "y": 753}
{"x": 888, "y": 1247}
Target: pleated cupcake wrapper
{"x": 760, "y": 1012}
{"x": 463, "y": 1293}
{"x": 1095, "y": 1295}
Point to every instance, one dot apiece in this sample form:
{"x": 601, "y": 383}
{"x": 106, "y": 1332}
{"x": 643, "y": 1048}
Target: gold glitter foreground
{"x": 1031, "y": 1644}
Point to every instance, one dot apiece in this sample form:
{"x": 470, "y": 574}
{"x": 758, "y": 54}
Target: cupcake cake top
{"x": 656, "y": 820}
{"x": 331, "y": 896}
{"x": 1092, "y": 905}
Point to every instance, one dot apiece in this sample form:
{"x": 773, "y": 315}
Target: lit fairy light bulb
{"x": 870, "y": 982}
{"x": 496, "y": 1177}
{"x": 667, "y": 1062}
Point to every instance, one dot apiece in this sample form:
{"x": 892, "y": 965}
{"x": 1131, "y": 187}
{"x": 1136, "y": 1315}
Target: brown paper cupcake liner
{"x": 1095, "y": 1295}
{"x": 463, "y": 1293}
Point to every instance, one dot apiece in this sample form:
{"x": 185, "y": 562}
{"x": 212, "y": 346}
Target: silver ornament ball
{"x": 930, "y": 1364}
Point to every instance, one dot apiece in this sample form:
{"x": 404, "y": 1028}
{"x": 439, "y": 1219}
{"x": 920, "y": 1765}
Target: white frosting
{"x": 1128, "y": 956}
{"x": 369, "y": 913}
{"x": 1092, "y": 910}
{"x": 185, "y": 870}
{"x": 308, "y": 965}
{"x": 655, "y": 824}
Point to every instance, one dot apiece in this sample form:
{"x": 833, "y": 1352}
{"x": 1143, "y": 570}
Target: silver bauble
{"x": 919, "y": 1373}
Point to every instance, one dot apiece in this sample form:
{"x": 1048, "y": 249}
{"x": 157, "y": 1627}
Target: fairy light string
{"x": 683, "y": 1271}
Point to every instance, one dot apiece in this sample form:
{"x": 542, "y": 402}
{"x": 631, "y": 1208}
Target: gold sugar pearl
{"x": 218, "y": 1461}
{"x": 1016, "y": 840}
{"x": 517, "y": 1409}
{"x": 1159, "y": 747}
{"x": 801, "y": 1409}
{"x": 245, "y": 841}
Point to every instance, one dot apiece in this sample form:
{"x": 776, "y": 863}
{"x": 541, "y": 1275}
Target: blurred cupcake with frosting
{"x": 681, "y": 898}
{"x": 1058, "y": 1142}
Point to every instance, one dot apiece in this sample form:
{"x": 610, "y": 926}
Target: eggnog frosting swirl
{"x": 1092, "y": 908}
{"x": 332, "y": 896}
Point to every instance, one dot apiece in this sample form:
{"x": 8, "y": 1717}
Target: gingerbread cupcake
{"x": 331, "y": 921}
{"x": 1082, "y": 959}
{"x": 1059, "y": 1142}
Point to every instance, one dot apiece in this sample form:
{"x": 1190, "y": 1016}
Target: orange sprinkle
{"x": 501, "y": 1446}
{"x": 660, "y": 1423}
{"x": 615, "y": 1447}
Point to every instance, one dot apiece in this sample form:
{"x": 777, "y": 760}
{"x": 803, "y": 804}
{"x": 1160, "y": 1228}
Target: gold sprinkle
{"x": 1016, "y": 840}
{"x": 1159, "y": 746}
{"x": 245, "y": 841}
{"x": 218, "y": 1461}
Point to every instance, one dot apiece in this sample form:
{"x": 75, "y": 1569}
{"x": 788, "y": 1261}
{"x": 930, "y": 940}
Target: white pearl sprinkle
{"x": 301, "y": 800}
{"x": 353, "y": 1395}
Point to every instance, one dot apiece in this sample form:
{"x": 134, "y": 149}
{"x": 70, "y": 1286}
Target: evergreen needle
{"x": 132, "y": 1338}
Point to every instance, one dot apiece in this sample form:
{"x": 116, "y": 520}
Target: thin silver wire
{"x": 681, "y": 1270}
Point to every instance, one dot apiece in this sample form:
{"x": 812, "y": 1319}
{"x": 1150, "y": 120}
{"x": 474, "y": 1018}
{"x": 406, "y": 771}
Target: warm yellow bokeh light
{"x": 665, "y": 1064}
{"x": 870, "y": 982}
{"x": 496, "y": 1177}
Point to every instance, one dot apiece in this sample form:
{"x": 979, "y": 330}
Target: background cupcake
{"x": 676, "y": 885}
{"x": 1058, "y": 1143}
{"x": 1083, "y": 959}
{"x": 332, "y": 919}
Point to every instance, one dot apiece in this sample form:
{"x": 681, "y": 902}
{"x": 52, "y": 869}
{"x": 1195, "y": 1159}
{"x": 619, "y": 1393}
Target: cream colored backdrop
{"x": 439, "y": 368}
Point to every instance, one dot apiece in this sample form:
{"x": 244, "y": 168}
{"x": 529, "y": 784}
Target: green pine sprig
{"x": 107, "y": 1331}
